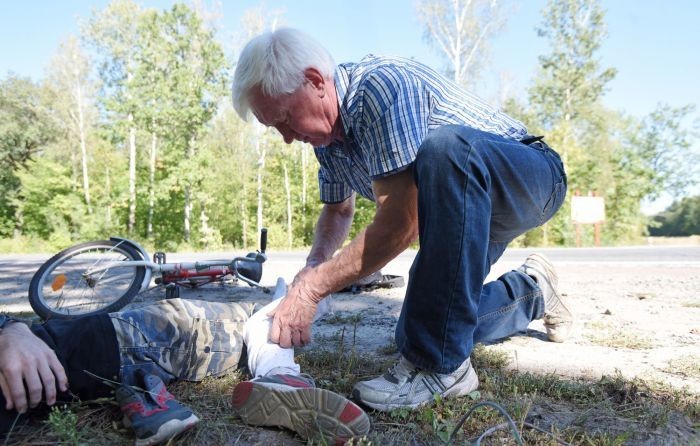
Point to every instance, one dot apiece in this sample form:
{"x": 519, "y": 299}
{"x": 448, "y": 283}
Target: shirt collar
{"x": 342, "y": 81}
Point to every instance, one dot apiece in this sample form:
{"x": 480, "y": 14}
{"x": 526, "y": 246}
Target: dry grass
{"x": 607, "y": 335}
{"x": 688, "y": 366}
{"x": 612, "y": 411}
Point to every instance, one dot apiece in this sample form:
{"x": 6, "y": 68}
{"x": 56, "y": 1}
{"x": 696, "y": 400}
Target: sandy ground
{"x": 640, "y": 320}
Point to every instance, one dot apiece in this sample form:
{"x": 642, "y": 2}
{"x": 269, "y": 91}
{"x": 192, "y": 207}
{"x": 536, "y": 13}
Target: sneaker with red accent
{"x": 154, "y": 414}
{"x": 295, "y": 403}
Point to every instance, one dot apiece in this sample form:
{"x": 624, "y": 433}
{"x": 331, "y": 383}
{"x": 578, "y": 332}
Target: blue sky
{"x": 650, "y": 43}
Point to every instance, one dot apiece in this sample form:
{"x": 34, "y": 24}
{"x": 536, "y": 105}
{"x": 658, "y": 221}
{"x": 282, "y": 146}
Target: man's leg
{"x": 178, "y": 339}
{"x": 81, "y": 345}
{"x": 170, "y": 340}
{"x": 280, "y": 396}
{"x": 476, "y": 192}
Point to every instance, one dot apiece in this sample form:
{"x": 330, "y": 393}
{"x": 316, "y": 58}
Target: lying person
{"x": 145, "y": 348}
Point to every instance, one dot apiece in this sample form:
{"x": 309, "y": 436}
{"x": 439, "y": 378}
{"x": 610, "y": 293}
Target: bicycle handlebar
{"x": 263, "y": 240}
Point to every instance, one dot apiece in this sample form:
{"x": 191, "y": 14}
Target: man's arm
{"x": 331, "y": 230}
{"x": 393, "y": 229}
{"x": 26, "y": 359}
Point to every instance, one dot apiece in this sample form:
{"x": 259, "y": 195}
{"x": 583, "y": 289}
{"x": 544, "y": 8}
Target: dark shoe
{"x": 293, "y": 402}
{"x": 374, "y": 281}
{"x": 154, "y": 414}
{"x": 558, "y": 319}
{"x": 407, "y": 386}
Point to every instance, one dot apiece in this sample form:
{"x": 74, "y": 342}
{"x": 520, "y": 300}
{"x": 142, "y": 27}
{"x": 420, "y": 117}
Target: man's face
{"x": 308, "y": 115}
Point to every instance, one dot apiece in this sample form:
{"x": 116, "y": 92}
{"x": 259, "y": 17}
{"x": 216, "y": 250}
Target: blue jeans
{"x": 476, "y": 192}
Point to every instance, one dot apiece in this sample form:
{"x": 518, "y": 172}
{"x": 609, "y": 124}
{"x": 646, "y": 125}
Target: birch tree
{"x": 114, "y": 33}
{"x": 460, "y": 31}
{"x": 69, "y": 77}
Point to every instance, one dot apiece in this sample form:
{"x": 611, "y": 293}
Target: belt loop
{"x": 529, "y": 139}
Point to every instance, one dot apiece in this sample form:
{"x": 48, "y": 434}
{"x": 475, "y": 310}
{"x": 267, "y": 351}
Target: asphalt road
{"x": 16, "y": 271}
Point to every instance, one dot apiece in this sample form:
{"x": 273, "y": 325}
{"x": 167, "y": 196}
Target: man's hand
{"x": 26, "y": 359}
{"x": 291, "y": 325}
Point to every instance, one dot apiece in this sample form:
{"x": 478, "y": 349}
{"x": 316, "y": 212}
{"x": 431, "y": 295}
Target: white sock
{"x": 265, "y": 356}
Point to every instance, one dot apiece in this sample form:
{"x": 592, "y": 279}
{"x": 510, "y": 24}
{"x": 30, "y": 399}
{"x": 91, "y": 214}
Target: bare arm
{"x": 26, "y": 359}
{"x": 331, "y": 230}
{"x": 393, "y": 229}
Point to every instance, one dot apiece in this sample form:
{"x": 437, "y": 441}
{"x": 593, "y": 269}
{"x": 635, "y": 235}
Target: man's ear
{"x": 316, "y": 79}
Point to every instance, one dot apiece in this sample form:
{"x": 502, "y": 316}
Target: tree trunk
{"x": 206, "y": 236}
{"x": 132, "y": 176}
{"x": 151, "y": 184}
{"x": 108, "y": 193}
{"x": 244, "y": 217}
{"x": 288, "y": 193}
{"x": 83, "y": 147}
{"x": 188, "y": 195}
{"x": 261, "y": 167}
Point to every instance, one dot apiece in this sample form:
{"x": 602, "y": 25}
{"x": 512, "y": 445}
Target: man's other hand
{"x": 27, "y": 360}
{"x": 291, "y": 325}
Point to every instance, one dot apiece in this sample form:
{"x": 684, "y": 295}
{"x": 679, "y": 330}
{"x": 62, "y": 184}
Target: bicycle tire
{"x": 61, "y": 290}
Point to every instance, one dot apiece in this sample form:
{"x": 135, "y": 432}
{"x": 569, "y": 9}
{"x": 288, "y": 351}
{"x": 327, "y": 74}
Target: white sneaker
{"x": 558, "y": 319}
{"x": 405, "y": 385}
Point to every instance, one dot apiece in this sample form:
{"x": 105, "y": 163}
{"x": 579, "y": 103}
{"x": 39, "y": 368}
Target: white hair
{"x": 275, "y": 62}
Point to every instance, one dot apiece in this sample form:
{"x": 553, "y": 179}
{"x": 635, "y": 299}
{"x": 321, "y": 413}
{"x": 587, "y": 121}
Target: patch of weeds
{"x": 691, "y": 304}
{"x": 607, "y": 336}
{"x": 339, "y": 368}
{"x": 343, "y": 319}
{"x": 688, "y": 366}
{"x": 509, "y": 384}
{"x": 389, "y": 349}
{"x": 64, "y": 424}
{"x": 485, "y": 358}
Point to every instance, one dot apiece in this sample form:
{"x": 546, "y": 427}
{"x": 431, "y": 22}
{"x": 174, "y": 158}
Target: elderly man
{"x": 441, "y": 165}
{"x": 148, "y": 347}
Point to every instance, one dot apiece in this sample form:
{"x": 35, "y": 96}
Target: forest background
{"x": 131, "y": 132}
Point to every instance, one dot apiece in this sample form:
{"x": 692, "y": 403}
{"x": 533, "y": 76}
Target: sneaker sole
{"x": 557, "y": 331}
{"x": 168, "y": 431}
{"x": 306, "y": 411}
{"x": 547, "y": 267}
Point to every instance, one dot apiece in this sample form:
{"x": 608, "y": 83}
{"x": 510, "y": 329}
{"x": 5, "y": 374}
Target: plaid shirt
{"x": 387, "y": 106}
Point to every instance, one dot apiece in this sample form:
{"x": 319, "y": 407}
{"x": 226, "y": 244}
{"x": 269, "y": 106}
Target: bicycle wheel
{"x": 75, "y": 283}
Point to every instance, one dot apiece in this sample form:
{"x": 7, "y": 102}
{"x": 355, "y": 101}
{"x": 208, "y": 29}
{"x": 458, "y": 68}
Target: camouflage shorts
{"x": 180, "y": 339}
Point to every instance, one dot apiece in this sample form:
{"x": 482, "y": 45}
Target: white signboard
{"x": 587, "y": 209}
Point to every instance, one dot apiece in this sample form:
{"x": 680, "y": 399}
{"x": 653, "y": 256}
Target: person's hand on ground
{"x": 27, "y": 360}
{"x": 291, "y": 325}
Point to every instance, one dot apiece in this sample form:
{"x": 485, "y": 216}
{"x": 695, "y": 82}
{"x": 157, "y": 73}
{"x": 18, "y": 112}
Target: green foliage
{"x": 65, "y": 424}
{"x": 49, "y": 202}
{"x": 682, "y": 218}
{"x": 25, "y": 127}
{"x": 570, "y": 80}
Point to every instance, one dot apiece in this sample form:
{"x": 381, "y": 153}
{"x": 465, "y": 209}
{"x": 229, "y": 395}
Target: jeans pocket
{"x": 555, "y": 200}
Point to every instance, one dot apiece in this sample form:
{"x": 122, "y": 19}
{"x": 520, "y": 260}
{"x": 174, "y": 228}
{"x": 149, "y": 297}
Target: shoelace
{"x": 402, "y": 369}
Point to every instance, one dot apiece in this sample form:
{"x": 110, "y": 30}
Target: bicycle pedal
{"x": 172, "y": 291}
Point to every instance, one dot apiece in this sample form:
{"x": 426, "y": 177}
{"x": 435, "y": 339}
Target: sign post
{"x": 587, "y": 210}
